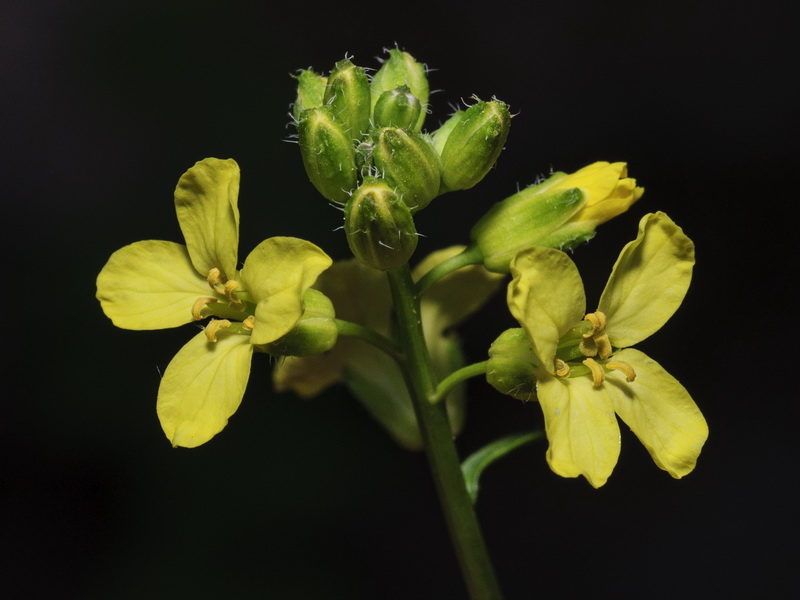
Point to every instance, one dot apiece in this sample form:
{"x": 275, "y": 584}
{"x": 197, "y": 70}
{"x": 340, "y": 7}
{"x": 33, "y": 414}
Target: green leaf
{"x": 473, "y": 467}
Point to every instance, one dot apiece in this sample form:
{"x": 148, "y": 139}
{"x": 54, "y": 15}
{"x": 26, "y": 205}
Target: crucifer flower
{"x": 155, "y": 284}
{"x": 583, "y": 366}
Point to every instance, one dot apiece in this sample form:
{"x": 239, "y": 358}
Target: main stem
{"x": 462, "y": 522}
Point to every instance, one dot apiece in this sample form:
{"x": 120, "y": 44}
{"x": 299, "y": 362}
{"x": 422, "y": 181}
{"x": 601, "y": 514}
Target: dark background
{"x": 104, "y": 104}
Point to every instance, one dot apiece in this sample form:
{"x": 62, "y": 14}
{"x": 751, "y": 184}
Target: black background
{"x": 105, "y": 104}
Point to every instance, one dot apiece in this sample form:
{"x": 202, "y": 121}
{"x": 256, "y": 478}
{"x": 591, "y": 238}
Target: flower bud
{"x": 347, "y": 93}
{"x": 328, "y": 154}
{"x": 379, "y": 227}
{"x": 561, "y": 212}
{"x": 397, "y": 108}
{"x": 310, "y": 92}
{"x": 409, "y": 163}
{"x": 474, "y": 144}
{"x": 439, "y": 137}
{"x": 401, "y": 69}
{"x": 512, "y": 365}
{"x": 314, "y": 333}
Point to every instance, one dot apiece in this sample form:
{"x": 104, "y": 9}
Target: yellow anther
{"x": 230, "y": 286}
{"x": 198, "y": 305}
{"x": 603, "y": 346}
{"x": 249, "y": 323}
{"x": 597, "y": 371}
{"x": 597, "y": 321}
{"x": 214, "y": 326}
{"x": 562, "y": 368}
{"x": 626, "y": 368}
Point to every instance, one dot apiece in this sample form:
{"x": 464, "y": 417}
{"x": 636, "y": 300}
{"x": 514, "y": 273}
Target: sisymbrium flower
{"x": 155, "y": 284}
{"x": 584, "y": 367}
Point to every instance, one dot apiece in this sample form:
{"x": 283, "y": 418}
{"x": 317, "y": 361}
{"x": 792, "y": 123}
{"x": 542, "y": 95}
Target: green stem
{"x": 456, "y": 377}
{"x": 368, "y": 335}
{"x": 471, "y": 256}
{"x": 462, "y": 523}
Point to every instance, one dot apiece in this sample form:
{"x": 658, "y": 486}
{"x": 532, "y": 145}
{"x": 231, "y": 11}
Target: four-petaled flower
{"x": 156, "y": 284}
{"x": 583, "y": 366}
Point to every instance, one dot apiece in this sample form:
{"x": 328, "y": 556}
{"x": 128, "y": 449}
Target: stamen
{"x": 214, "y": 326}
{"x": 603, "y": 346}
{"x": 597, "y": 371}
{"x": 588, "y": 347}
{"x": 216, "y": 281}
{"x": 598, "y": 322}
{"x": 626, "y": 368}
{"x": 198, "y": 305}
{"x": 249, "y": 323}
{"x": 231, "y": 286}
{"x": 562, "y": 368}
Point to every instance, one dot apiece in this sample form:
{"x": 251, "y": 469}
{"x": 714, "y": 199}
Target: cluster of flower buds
{"x": 363, "y": 146}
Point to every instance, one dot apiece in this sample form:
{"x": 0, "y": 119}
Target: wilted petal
{"x": 581, "y": 427}
{"x": 150, "y": 285}
{"x": 277, "y": 273}
{"x": 648, "y": 282}
{"x": 660, "y": 412}
{"x": 546, "y": 296}
{"x": 202, "y": 387}
{"x": 206, "y": 200}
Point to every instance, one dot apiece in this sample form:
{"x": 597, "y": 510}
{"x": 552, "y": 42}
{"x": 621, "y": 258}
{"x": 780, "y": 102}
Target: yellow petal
{"x": 648, "y": 282}
{"x": 581, "y": 427}
{"x": 308, "y": 376}
{"x": 455, "y": 296}
{"x": 206, "y": 200}
{"x": 660, "y": 412}
{"x": 202, "y": 387}
{"x": 546, "y": 296}
{"x": 598, "y": 180}
{"x": 150, "y": 285}
{"x": 277, "y": 273}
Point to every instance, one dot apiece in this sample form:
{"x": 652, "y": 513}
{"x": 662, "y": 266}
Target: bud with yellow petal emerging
{"x": 328, "y": 154}
{"x": 473, "y": 144}
{"x": 560, "y": 212}
{"x": 379, "y": 227}
{"x": 316, "y": 331}
{"x": 408, "y": 162}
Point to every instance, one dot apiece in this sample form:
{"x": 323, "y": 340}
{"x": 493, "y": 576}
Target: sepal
{"x": 347, "y": 93}
{"x": 409, "y": 163}
{"x": 310, "y": 92}
{"x": 402, "y": 69}
{"x": 397, "y": 108}
{"x": 512, "y": 365}
{"x": 314, "y": 333}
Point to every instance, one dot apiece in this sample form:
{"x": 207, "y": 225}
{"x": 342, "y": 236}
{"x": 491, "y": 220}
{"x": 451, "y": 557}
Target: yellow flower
{"x": 156, "y": 284}
{"x": 560, "y": 212}
{"x": 361, "y": 295}
{"x": 584, "y": 367}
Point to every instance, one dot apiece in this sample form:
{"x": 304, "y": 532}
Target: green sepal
{"x": 531, "y": 217}
{"x": 314, "y": 333}
{"x": 408, "y": 162}
{"x": 402, "y": 69}
{"x": 347, "y": 93}
{"x": 512, "y": 365}
{"x": 397, "y": 108}
{"x": 440, "y": 136}
{"x": 310, "y": 92}
{"x": 379, "y": 226}
{"x": 474, "y": 144}
{"x": 328, "y": 154}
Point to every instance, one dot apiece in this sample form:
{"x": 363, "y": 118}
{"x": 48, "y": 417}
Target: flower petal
{"x": 206, "y": 200}
{"x": 648, "y": 282}
{"x": 546, "y": 296}
{"x": 455, "y": 296}
{"x": 277, "y": 273}
{"x": 581, "y": 427}
{"x": 660, "y": 412}
{"x": 150, "y": 285}
{"x": 202, "y": 387}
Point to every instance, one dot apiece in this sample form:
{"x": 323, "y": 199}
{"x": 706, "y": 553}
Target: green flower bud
{"x": 401, "y": 69}
{"x": 561, "y": 212}
{"x": 348, "y": 95}
{"x": 314, "y": 333}
{"x": 474, "y": 144}
{"x": 397, "y": 108}
{"x": 511, "y": 368}
{"x": 439, "y": 137}
{"x": 328, "y": 154}
{"x": 310, "y": 92}
{"x": 408, "y": 161}
{"x": 379, "y": 227}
